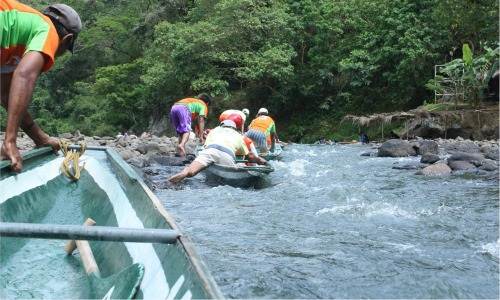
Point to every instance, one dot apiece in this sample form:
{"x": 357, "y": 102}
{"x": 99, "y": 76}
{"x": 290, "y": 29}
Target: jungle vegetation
{"x": 310, "y": 62}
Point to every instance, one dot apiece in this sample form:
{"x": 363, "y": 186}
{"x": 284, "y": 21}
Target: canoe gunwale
{"x": 126, "y": 172}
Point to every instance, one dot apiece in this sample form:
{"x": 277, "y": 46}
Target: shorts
{"x": 210, "y": 156}
{"x": 180, "y": 117}
{"x": 259, "y": 139}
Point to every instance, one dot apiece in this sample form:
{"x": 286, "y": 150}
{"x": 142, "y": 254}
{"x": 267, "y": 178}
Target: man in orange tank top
{"x": 262, "y": 131}
{"x": 29, "y": 43}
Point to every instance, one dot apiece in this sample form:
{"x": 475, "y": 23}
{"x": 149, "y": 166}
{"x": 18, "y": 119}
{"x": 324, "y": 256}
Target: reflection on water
{"x": 333, "y": 224}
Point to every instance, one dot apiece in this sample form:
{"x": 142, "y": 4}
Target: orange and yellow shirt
{"x": 263, "y": 124}
{"x": 24, "y": 29}
{"x": 196, "y": 106}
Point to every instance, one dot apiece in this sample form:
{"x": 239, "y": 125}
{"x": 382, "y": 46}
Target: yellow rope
{"x": 70, "y": 166}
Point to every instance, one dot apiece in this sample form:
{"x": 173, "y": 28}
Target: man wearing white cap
{"x": 222, "y": 145}
{"x": 262, "y": 131}
{"x": 30, "y": 42}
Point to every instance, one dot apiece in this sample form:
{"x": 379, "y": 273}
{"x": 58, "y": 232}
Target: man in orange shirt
{"x": 262, "y": 131}
{"x": 29, "y": 43}
{"x": 186, "y": 111}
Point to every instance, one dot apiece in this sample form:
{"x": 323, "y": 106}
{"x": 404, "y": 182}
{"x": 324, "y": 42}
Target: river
{"x": 333, "y": 224}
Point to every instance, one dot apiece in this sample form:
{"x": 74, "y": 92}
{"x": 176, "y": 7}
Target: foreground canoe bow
{"x": 112, "y": 194}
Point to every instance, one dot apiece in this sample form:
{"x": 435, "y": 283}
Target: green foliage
{"x": 308, "y": 61}
{"x": 467, "y": 77}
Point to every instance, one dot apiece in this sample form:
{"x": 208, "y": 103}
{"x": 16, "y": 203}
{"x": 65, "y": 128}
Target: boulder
{"x": 437, "y": 169}
{"x": 489, "y": 165}
{"x": 122, "y": 142}
{"x": 138, "y": 162}
{"x": 148, "y": 147}
{"x": 66, "y": 135}
{"x": 427, "y": 128}
{"x": 462, "y": 146}
{"x": 396, "y": 148}
{"x": 473, "y": 158}
{"x": 429, "y": 158}
{"x": 127, "y": 154}
{"x": 406, "y": 167}
{"x": 460, "y": 165}
{"x": 427, "y": 146}
{"x": 490, "y": 151}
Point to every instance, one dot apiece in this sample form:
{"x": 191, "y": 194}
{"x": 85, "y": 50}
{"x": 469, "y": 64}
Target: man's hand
{"x": 50, "y": 142}
{"x": 10, "y": 151}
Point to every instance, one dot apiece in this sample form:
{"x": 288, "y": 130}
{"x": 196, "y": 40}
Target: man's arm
{"x": 21, "y": 90}
{"x": 256, "y": 159}
{"x": 201, "y": 128}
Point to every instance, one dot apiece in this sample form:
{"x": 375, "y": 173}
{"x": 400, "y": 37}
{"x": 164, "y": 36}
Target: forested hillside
{"x": 310, "y": 61}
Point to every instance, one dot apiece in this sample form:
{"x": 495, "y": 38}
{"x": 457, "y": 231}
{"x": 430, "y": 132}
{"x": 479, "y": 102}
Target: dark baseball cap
{"x": 67, "y": 17}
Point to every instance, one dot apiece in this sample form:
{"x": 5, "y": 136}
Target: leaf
{"x": 467, "y": 55}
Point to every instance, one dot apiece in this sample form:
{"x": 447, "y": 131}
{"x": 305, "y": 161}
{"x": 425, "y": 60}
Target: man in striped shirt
{"x": 29, "y": 43}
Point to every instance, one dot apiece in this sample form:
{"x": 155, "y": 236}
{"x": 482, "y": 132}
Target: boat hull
{"x": 240, "y": 176}
{"x": 112, "y": 194}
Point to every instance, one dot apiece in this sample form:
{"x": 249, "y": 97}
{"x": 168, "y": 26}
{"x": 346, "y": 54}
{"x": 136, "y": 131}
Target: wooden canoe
{"x": 239, "y": 176}
{"x": 112, "y": 194}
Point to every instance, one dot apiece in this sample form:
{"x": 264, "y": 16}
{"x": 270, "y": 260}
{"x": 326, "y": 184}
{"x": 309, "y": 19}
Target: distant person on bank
{"x": 30, "y": 42}
{"x": 262, "y": 131}
{"x": 187, "y": 111}
{"x": 243, "y": 114}
{"x": 222, "y": 146}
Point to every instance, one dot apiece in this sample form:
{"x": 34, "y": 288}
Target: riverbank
{"x": 438, "y": 157}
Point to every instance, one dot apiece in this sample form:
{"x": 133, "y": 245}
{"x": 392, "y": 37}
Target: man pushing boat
{"x": 30, "y": 42}
{"x": 262, "y": 131}
{"x": 185, "y": 111}
{"x": 222, "y": 145}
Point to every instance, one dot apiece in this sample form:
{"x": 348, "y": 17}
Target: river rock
{"x": 492, "y": 154}
{"x": 66, "y": 135}
{"x": 489, "y": 165}
{"x": 473, "y": 158}
{"x": 460, "y": 165}
{"x": 427, "y": 146}
{"x": 490, "y": 151}
{"x": 127, "y": 154}
{"x": 138, "y": 162}
{"x": 462, "y": 146}
{"x": 426, "y": 128}
{"x": 396, "y": 148}
{"x": 429, "y": 158}
{"x": 437, "y": 169}
{"x": 407, "y": 167}
{"x": 148, "y": 147}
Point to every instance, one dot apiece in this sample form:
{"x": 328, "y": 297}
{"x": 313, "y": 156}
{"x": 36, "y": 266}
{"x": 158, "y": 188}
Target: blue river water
{"x": 333, "y": 224}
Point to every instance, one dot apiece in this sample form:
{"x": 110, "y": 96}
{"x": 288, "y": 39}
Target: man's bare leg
{"x": 189, "y": 171}
{"x": 183, "y": 138}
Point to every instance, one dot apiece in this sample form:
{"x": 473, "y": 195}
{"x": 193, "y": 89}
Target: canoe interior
{"x": 113, "y": 195}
